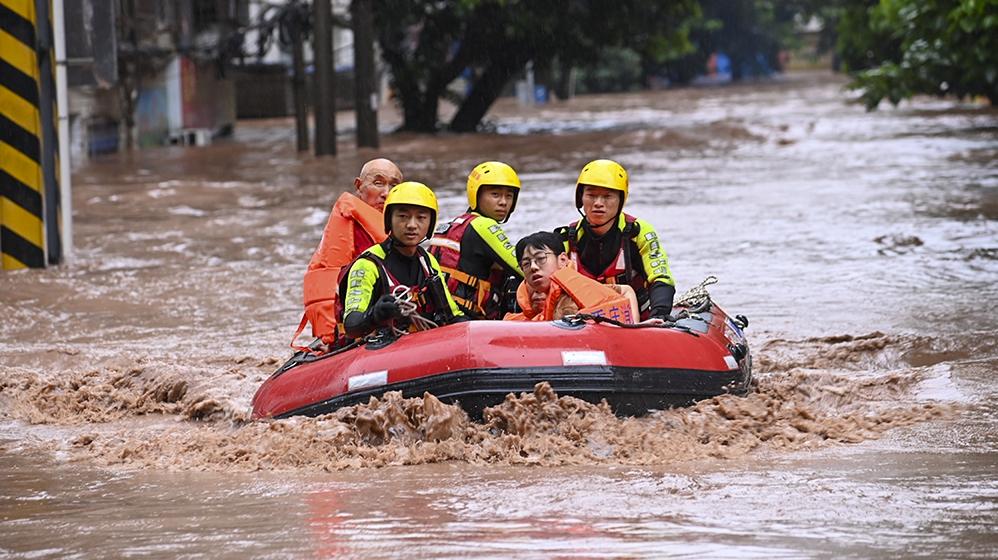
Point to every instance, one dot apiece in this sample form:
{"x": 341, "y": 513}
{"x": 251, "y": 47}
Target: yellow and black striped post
{"x": 29, "y": 188}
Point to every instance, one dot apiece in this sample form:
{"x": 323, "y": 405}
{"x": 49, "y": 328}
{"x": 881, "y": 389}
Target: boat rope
{"x": 697, "y": 295}
{"x": 404, "y": 299}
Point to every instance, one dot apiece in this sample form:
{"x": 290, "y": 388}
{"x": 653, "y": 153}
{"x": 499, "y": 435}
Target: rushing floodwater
{"x": 862, "y": 246}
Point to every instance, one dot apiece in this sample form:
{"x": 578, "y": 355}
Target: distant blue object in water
{"x": 102, "y": 137}
{"x": 723, "y": 64}
{"x": 469, "y": 79}
{"x": 762, "y": 65}
{"x": 718, "y": 70}
{"x": 540, "y": 95}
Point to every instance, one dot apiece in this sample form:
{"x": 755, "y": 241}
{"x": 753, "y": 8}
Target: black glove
{"x": 385, "y": 310}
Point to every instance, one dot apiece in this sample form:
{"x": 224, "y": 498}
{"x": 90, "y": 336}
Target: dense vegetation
{"x": 428, "y": 44}
{"x": 940, "y": 47}
{"x": 894, "y": 48}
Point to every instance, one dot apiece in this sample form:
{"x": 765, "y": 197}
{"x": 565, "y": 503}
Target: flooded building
{"x": 147, "y": 73}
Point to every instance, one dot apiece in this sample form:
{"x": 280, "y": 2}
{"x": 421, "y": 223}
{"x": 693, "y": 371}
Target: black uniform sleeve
{"x": 359, "y": 323}
{"x": 660, "y": 297}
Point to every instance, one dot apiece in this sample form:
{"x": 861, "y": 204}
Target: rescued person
{"x": 553, "y": 289}
{"x": 355, "y": 223}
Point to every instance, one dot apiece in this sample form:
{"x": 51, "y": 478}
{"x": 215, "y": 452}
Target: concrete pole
{"x": 62, "y": 102}
{"x": 325, "y": 92}
{"x": 365, "y": 94}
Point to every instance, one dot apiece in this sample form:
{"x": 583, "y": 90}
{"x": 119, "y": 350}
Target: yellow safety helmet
{"x": 415, "y": 194}
{"x": 604, "y": 173}
{"x": 492, "y": 174}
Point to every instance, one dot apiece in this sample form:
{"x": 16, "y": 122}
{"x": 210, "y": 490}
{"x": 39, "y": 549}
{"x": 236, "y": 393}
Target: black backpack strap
{"x": 435, "y": 287}
{"x": 627, "y": 236}
{"x": 631, "y": 228}
{"x": 570, "y": 234}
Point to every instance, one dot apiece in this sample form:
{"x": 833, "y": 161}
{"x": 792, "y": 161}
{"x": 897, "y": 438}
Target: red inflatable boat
{"x": 477, "y": 363}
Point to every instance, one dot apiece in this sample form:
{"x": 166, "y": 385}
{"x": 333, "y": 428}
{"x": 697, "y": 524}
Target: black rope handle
{"x": 581, "y": 317}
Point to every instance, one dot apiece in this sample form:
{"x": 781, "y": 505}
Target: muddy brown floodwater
{"x": 862, "y": 246}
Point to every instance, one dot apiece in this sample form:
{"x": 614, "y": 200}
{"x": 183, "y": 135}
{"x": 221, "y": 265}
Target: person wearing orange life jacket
{"x": 616, "y": 248}
{"x": 355, "y": 223}
{"x": 473, "y": 250}
{"x": 552, "y": 288}
{"x": 372, "y": 282}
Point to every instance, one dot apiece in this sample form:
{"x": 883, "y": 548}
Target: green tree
{"x": 858, "y": 44}
{"x": 616, "y": 69}
{"x": 947, "y": 47}
{"x": 428, "y": 44}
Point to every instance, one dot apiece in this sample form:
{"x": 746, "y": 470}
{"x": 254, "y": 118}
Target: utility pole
{"x": 365, "y": 94}
{"x": 62, "y": 105}
{"x": 298, "y": 82}
{"x": 325, "y": 100}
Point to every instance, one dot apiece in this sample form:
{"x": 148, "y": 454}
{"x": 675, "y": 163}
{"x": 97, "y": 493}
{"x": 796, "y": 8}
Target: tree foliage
{"x": 615, "y": 70}
{"x": 944, "y": 47}
{"x": 859, "y": 45}
{"x": 427, "y": 44}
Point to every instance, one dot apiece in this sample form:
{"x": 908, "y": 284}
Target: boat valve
{"x": 741, "y": 321}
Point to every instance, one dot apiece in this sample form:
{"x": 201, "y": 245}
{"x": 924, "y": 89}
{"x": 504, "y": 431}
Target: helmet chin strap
{"x": 512, "y": 206}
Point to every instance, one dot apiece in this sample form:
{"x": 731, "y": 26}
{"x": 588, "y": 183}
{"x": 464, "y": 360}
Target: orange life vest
{"x": 620, "y": 270}
{"x": 338, "y": 248}
{"x": 591, "y": 297}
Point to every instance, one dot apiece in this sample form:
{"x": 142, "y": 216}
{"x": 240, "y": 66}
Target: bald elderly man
{"x": 376, "y": 178}
{"x": 355, "y": 224}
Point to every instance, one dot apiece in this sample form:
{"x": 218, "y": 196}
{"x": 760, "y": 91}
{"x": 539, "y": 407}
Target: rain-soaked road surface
{"x": 863, "y": 247}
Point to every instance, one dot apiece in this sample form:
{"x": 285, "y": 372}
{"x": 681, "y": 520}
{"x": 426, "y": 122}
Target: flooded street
{"x": 863, "y": 247}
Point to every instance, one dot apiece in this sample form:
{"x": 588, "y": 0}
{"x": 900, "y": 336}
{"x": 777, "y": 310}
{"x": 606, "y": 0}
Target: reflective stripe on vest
{"x": 481, "y": 287}
{"x": 445, "y": 243}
